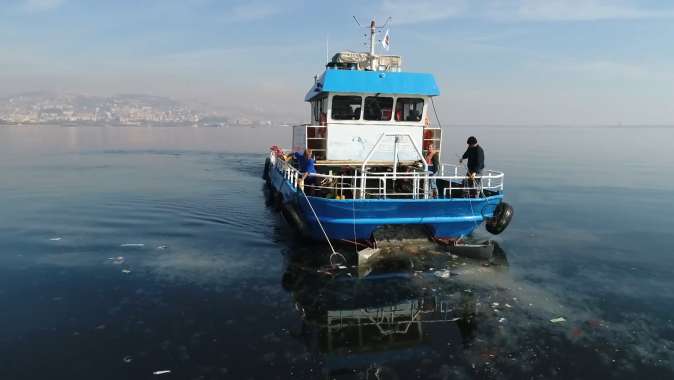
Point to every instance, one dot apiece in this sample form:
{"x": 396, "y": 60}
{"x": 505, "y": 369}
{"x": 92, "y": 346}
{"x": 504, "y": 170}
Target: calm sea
{"x": 127, "y": 251}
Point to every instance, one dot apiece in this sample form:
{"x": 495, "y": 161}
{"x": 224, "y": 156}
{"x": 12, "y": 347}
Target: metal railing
{"x": 413, "y": 184}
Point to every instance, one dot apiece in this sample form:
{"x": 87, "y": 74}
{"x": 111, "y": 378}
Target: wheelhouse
{"x": 351, "y": 108}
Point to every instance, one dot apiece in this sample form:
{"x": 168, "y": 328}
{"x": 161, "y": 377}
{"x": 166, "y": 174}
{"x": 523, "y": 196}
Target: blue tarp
{"x": 403, "y": 83}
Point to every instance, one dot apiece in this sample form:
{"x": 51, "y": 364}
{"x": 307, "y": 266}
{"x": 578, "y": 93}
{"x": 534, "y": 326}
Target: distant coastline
{"x": 131, "y": 125}
{"x": 55, "y": 109}
{"x": 4, "y": 123}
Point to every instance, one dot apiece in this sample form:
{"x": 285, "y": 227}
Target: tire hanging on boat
{"x": 265, "y": 174}
{"x": 290, "y": 212}
{"x": 503, "y": 214}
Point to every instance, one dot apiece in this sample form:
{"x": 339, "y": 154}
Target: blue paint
{"x": 447, "y": 218}
{"x": 372, "y": 82}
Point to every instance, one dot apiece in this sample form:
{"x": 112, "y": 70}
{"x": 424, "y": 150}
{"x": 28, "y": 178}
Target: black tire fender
{"x": 503, "y": 214}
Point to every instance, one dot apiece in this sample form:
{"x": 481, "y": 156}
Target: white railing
{"x": 413, "y": 184}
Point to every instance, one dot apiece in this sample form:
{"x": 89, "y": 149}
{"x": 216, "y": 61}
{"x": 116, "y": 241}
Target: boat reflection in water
{"x": 403, "y": 310}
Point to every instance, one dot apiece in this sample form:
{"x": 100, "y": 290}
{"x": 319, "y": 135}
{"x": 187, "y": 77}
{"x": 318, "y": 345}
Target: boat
{"x": 369, "y": 132}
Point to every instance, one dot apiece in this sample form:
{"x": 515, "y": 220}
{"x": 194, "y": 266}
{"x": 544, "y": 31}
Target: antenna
{"x": 373, "y": 30}
{"x": 386, "y": 23}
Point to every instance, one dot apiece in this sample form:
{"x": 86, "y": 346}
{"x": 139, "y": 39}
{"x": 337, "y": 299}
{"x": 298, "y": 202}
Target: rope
{"x": 334, "y": 254}
{"x": 436, "y": 114}
{"x": 320, "y": 225}
{"x": 470, "y": 199}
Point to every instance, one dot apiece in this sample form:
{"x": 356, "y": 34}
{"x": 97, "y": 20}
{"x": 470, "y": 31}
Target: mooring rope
{"x": 319, "y": 223}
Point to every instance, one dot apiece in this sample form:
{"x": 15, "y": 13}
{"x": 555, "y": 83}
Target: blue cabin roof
{"x": 383, "y": 82}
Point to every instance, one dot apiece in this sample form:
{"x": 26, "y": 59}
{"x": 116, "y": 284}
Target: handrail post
{"x": 384, "y": 180}
{"x": 426, "y": 179}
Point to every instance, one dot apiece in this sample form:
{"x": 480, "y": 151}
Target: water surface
{"x": 125, "y": 251}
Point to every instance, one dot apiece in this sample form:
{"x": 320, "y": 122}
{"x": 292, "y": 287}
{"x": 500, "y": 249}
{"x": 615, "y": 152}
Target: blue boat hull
{"x": 359, "y": 218}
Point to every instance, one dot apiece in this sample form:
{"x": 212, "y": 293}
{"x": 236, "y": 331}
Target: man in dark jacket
{"x": 475, "y": 156}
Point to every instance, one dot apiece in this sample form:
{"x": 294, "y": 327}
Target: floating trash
{"x": 56, "y": 238}
{"x": 162, "y": 247}
{"x": 442, "y": 273}
{"x": 162, "y": 372}
{"x": 132, "y": 245}
{"x": 126, "y": 271}
{"x": 117, "y": 260}
{"x": 501, "y": 320}
{"x": 127, "y": 359}
{"x": 558, "y": 320}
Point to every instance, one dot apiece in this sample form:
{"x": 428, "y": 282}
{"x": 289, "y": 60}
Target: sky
{"x": 510, "y": 62}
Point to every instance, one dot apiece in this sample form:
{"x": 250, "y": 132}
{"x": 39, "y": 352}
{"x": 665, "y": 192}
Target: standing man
{"x": 475, "y": 156}
{"x": 433, "y": 162}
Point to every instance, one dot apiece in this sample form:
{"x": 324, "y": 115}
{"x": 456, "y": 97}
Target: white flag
{"x": 386, "y": 42}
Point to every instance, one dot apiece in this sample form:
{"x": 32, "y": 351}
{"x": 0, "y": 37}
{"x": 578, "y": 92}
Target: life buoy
{"x": 503, "y": 214}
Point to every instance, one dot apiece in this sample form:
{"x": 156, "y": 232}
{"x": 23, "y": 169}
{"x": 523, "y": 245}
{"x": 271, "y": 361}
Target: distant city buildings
{"x": 42, "y": 108}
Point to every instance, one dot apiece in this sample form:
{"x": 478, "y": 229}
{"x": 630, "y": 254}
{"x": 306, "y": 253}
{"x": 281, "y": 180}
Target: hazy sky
{"x": 497, "y": 62}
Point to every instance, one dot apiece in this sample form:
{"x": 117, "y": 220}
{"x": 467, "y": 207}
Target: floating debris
{"x": 162, "y": 247}
{"x": 132, "y": 245}
{"x": 558, "y": 320}
{"x": 442, "y": 273}
{"x": 162, "y": 372}
{"x": 117, "y": 260}
{"x": 126, "y": 271}
{"x": 127, "y": 359}
{"x": 55, "y": 238}
{"x": 501, "y": 320}
{"x": 508, "y": 306}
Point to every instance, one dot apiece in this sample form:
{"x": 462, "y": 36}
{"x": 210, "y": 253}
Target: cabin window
{"x": 346, "y": 107}
{"x": 378, "y": 108}
{"x": 319, "y": 108}
{"x": 409, "y": 109}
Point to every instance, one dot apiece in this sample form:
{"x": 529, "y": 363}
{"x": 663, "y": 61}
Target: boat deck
{"x": 335, "y": 180}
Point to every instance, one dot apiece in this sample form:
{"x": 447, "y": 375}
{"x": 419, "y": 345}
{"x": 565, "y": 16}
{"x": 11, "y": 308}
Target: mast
{"x": 373, "y": 33}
